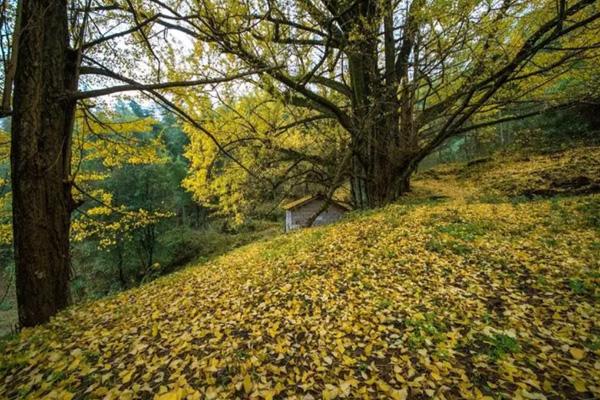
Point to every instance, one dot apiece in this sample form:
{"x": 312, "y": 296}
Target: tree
{"x": 52, "y": 44}
{"x": 286, "y": 149}
{"x": 40, "y": 160}
{"x": 401, "y": 77}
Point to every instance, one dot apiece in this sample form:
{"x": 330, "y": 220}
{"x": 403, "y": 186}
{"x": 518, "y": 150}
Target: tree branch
{"x": 151, "y": 86}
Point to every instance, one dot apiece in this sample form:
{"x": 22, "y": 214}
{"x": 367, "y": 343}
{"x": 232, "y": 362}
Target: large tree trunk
{"x": 384, "y": 145}
{"x": 381, "y": 174}
{"x": 40, "y": 161}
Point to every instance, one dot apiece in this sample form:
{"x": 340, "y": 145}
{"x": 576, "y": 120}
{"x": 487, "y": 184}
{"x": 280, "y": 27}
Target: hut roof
{"x": 307, "y": 199}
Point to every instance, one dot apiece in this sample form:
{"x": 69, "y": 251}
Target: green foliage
{"x": 556, "y": 130}
{"x": 423, "y": 329}
{"x": 500, "y": 345}
{"x": 577, "y": 286}
{"x": 551, "y": 131}
{"x": 463, "y": 230}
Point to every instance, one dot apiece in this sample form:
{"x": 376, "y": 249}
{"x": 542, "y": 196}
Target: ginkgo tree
{"x": 272, "y": 153}
{"x": 400, "y": 77}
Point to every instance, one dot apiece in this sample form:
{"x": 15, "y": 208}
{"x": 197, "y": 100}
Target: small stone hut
{"x": 298, "y": 212}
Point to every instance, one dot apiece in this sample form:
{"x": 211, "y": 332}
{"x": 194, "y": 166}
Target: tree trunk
{"x": 377, "y": 181}
{"x": 384, "y": 148}
{"x": 120, "y": 262}
{"x": 384, "y": 145}
{"x": 40, "y": 161}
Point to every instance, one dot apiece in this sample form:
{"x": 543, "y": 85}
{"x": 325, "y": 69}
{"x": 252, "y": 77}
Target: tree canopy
{"x": 399, "y": 78}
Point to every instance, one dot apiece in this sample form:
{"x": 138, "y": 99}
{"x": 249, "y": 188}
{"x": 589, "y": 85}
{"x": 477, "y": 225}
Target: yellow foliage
{"x": 263, "y": 147}
{"x": 108, "y": 231}
{"x": 115, "y": 141}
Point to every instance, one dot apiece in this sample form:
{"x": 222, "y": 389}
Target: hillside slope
{"x": 447, "y": 299}
{"x": 569, "y": 172}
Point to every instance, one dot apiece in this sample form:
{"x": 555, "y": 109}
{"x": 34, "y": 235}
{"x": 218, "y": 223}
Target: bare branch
{"x": 153, "y": 86}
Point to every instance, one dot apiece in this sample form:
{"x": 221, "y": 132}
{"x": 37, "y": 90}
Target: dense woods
{"x": 139, "y": 136}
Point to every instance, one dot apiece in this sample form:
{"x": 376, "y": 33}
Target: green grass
{"x": 500, "y": 345}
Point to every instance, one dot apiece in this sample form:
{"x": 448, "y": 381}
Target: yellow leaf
{"x": 195, "y": 395}
{"x": 401, "y": 394}
{"x": 579, "y": 385}
{"x": 172, "y": 395}
{"x": 532, "y": 396}
{"x": 64, "y": 395}
{"x": 346, "y": 360}
{"x": 100, "y": 392}
{"x": 576, "y": 353}
{"x": 126, "y": 377}
{"x": 273, "y": 330}
{"x": 330, "y": 394}
{"x": 211, "y": 393}
{"x": 247, "y": 384}
{"x": 212, "y": 365}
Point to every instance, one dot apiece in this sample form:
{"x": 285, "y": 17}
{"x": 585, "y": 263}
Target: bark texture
{"x": 40, "y": 161}
{"x": 384, "y": 143}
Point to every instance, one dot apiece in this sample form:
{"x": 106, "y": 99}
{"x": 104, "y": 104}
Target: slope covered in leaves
{"x": 568, "y": 172}
{"x": 440, "y": 299}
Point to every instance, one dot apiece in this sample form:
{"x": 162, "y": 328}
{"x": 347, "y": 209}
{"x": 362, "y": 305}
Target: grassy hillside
{"x": 460, "y": 297}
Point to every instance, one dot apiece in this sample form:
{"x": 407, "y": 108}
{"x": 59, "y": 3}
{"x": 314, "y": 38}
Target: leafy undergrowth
{"x": 445, "y": 300}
